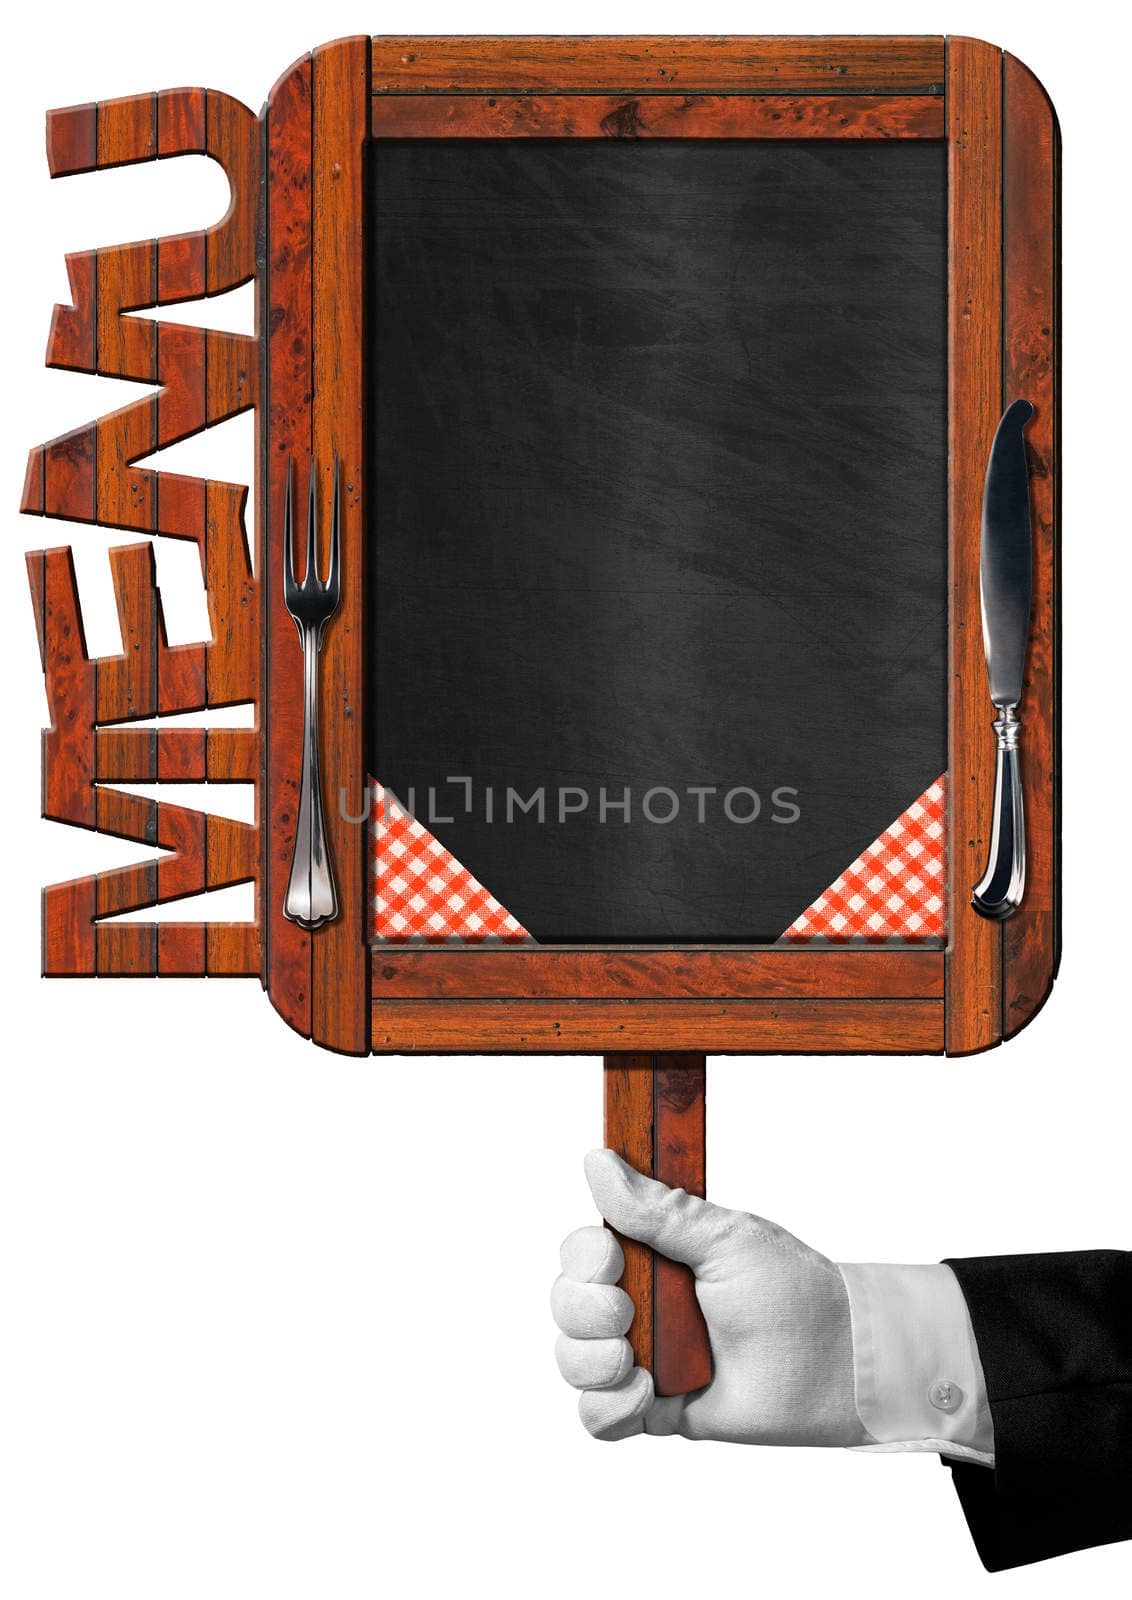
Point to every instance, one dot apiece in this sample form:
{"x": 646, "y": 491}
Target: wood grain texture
{"x": 230, "y": 852}
{"x": 33, "y": 495}
{"x": 91, "y": 475}
{"x": 288, "y": 425}
{"x": 72, "y": 139}
{"x": 181, "y": 118}
{"x": 127, "y": 683}
{"x": 180, "y": 950}
{"x": 230, "y": 368}
{"x": 754, "y": 1027}
{"x": 655, "y": 1120}
{"x": 67, "y": 942}
{"x": 682, "y": 1352}
{"x": 232, "y": 950}
{"x": 317, "y": 119}
{"x": 1031, "y": 185}
{"x": 181, "y": 672}
{"x": 181, "y": 758}
{"x": 125, "y": 755}
{"x": 974, "y": 115}
{"x": 830, "y": 64}
{"x": 230, "y": 247}
{"x": 126, "y": 949}
{"x": 181, "y": 404}
{"x": 68, "y": 755}
{"x": 185, "y": 834}
{"x": 68, "y": 477}
{"x": 96, "y": 333}
{"x": 127, "y": 130}
{"x": 629, "y": 1114}
{"x": 232, "y": 755}
{"x": 232, "y": 664}
{"x": 465, "y": 116}
{"x": 668, "y": 974}
{"x": 73, "y": 340}
{"x": 340, "y": 114}
{"x": 526, "y": 112}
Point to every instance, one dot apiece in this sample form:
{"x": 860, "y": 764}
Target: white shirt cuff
{"x": 918, "y": 1379}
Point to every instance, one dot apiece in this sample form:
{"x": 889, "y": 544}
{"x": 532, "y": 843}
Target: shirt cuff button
{"x": 945, "y": 1396}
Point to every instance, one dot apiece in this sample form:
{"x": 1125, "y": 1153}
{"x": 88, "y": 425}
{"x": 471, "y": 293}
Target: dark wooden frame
{"x": 774, "y": 999}
{"x": 297, "y": 190}
{"x": 302, "y": 179}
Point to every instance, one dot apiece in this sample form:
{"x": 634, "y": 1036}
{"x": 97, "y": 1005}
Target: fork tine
{"x": 335, "y": 535}
{"x": 310, "y": 576}
{"x": 288, "y": 537}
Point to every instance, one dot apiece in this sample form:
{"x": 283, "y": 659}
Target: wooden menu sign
{"x": 659, "y": 376}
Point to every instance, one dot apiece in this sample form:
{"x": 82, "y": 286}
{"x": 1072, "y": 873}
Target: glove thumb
{"x": 679, "y": 1225}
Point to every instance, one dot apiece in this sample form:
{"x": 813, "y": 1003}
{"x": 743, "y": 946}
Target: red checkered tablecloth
{"x": 894, "y": 891}
{"x": 421, "y": 892}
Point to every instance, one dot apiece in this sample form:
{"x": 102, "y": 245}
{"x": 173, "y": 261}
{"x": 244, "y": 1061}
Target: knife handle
{"x": 999, "y": 891}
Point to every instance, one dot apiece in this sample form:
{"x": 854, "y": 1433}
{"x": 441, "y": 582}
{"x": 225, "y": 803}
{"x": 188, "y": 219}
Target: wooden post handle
{"x": 654, "y": 1118}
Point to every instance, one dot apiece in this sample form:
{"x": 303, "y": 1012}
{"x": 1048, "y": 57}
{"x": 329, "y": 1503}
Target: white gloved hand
{"x": 777, "y": 1314}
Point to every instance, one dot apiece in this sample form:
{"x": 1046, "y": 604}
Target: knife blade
{"x": 1006, "y": 559}
{"x": 1005, "y": 585}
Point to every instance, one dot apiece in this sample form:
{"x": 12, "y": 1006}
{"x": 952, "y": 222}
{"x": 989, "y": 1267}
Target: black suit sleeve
{"x": 1055, "y": 1339}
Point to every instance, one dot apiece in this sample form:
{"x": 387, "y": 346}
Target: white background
{"x": 273, "y": 1323}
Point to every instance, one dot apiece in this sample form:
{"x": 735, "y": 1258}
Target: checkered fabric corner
{"x": 895, "y": 889}
{"x": 421, "y": 892}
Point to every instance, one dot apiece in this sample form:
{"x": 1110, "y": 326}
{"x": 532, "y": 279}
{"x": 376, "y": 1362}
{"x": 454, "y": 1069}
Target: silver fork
{"x": 311, "y": 899}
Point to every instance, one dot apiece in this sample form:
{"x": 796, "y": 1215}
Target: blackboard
{"x": 657, "y": 504}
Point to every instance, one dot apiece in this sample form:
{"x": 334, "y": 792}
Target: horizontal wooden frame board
{"x": 657, "y": 116}
{"x": 671, "y": 974}
{"x": 572, "y": 1027}
{"x": 845, "y": 64}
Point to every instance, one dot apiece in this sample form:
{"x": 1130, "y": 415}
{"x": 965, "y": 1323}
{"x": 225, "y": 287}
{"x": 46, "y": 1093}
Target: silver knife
{"x": 1006, "y": 576}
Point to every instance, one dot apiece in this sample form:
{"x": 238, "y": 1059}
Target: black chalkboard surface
{"x": 657, "y": 455}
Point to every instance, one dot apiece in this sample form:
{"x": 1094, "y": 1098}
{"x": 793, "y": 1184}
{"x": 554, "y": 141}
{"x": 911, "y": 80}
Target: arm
{"x": 1017, "y": 1370}
{"x": 1054, "y": 1334}
{"x": 804, "y": 1352}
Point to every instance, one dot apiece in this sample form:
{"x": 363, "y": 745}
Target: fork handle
{"x": 311, "y": 899}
